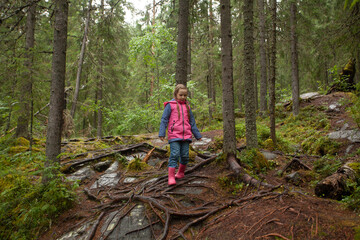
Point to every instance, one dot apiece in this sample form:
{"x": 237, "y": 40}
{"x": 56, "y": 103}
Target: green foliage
{"x": 121, "y": 159}
{"x": 136, "y": 119}
{"x": 353, "y": 201}
{"x": 27, "y": 206}
{"x": 319, "y": 145}
{"x": 263, "y": 133}
{"x": 230, "y": 184}
{"x": 325, "y": 167}
{"x": 355, "y": 110}
{"x": 137, "y": 165}
{"x": 254, "y": 160}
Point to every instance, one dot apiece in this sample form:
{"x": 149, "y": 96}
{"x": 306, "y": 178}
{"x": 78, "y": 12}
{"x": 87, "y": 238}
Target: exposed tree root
{"x": 246, "y": 178}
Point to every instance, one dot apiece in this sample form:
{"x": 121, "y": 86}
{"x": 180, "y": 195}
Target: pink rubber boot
{"x": 181, "y": 173}
{"x": 171, "y": 176}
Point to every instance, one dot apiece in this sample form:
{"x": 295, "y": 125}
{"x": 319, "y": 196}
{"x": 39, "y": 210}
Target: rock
{"x": 269, "y": 155}
{"x": 202, "y": 142}
{"x": 107, "y": 180}
{"x": 113, "y": 168}
{"x": 294, "y": 178}
{"x": 129, "y": 180}
{"x": 136, "y": 219}
{"x": 310, "y": 95}
{"x": 351, "y": 135}
{"x": 81, "y": 174}
{"x": 80, "y": 233}
{"x": 334, "y": 107}
{"x": 102, "y": 166}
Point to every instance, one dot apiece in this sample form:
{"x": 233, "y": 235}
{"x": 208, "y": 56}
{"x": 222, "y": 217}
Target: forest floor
{"x": 210, "y": 202}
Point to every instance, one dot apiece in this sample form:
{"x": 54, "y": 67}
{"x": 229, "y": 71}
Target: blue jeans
{"x": 179, "y": 150}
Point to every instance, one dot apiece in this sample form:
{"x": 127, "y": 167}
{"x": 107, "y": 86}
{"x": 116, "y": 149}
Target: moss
{"x": 356, "y": 167}
{"x": 322, "y": 145}
{"x": 65, "y": 168}
{"x": 22, "y": 142}
{"x": 357, "y": 233}
{"x": 254, "y": 159}
{"x": 18, "y": 149}
{"x": 137, "y": 165}
{"x": 268, "y": 144}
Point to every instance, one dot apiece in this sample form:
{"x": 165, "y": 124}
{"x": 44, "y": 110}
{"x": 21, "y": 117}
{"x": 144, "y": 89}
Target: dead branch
{"x": 295, "y": 165}
{"x": 273, "y": 235}
{"x": 148, "y": 155}
{"x": 94, "y": 227}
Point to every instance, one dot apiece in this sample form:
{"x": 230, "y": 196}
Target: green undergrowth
{"x": 355, "y": 109}
{"x": 308, "y": 131}
{"x": 27, "y": 206}
{"x": 264, "y": 140}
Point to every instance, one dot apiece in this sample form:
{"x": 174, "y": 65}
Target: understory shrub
{"x": 28, "y": 206}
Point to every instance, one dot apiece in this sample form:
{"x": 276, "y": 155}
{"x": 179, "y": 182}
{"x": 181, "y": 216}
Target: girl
{"x": 182, "y": 125}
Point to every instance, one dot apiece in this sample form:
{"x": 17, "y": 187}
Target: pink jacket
{"x": 179, "y": 126}
{"x": 179, "y": 121}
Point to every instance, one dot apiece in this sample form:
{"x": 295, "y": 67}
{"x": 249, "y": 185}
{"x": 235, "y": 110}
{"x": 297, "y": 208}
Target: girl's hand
{"x": 162, "y": 138}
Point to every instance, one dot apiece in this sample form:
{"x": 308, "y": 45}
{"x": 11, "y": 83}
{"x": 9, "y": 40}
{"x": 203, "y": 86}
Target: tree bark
{"x": 294, "y": 60}
{"x": 249, "y": 56}
{"x": 100, "y": 84}
{"x": 227, "y": 79}
{"x": 210, "y": 55}
{"x": 55, "y": 120}
{"x": 272, "y": 71}
{"x": 81, "y": 61}
{"x": 22, "y": 129}
{"x": 335, "y": 186}
{"x": 182, "y": 42}
{"x": 263, "y": 75}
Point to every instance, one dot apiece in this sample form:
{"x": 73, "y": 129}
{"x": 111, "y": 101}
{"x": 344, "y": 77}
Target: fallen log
{"x": 335, "y": 186}
{"x": 69, "y": 167}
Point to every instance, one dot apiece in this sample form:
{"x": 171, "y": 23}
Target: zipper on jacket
{"x": 183, "y": 120}
{"x": 172, "y": 127}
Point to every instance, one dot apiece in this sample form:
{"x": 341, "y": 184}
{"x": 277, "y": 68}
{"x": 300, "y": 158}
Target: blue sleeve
{"x": 164, "y": 120}
{"x": 194, "y": 128}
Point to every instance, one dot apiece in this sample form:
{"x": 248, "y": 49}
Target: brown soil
{"x": 288, "y": 212}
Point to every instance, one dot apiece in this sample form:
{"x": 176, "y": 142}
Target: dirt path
{"x": 209, "y": 203}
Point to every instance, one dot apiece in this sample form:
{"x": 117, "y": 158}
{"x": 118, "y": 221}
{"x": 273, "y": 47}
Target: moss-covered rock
{"x": 22, "y": 142}
{"x": 254, "y": 159}
{"x": 269, "y": 144}
{"x": 137, "y": 165}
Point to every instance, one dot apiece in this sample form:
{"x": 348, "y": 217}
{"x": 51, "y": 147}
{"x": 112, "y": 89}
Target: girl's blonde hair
{"x": 177, "y": 89}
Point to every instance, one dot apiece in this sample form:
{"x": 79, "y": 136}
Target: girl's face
{"x": 182, "y": 95}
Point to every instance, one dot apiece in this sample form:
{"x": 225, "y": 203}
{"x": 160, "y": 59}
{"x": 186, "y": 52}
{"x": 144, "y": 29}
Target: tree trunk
{"x": 263, "y": 75}
{"x": 81, "y": 61}
{"x": 55, "y": 120}
{"x": 182, "y": 48}
{"x": 294, "y": 60}
{"x": 249, "y": 56}
{"x": 210, "y": 55}
{"x": 22, "y": 129}
{"x": 100, "y": 84}
{"x": 227, "y": 79}
{"x": 272, "y": 71}
{"x": 241, "y": 90}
